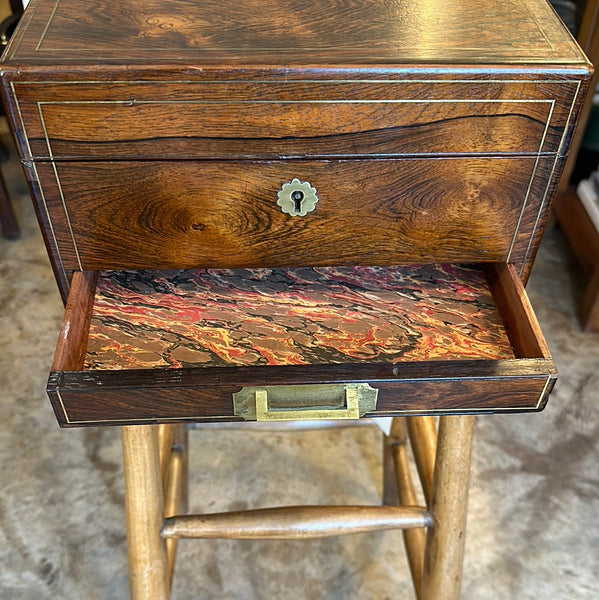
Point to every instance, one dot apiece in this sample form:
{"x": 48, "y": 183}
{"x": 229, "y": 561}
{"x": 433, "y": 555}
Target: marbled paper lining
{"x": 191, "y": 318}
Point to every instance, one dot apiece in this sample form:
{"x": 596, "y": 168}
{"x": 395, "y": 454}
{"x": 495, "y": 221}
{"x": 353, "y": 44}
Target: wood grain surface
{"x": 72, "y": 339}
{"x": 512, "y": 301}
{"x": 188, "y": 214}
{"x": 198, "y": 119}
{"x": 313, "y": 31}
{"x": 436, "y": 387}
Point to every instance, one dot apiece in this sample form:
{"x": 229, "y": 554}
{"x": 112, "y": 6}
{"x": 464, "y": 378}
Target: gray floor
{"x": 533, "y": 528}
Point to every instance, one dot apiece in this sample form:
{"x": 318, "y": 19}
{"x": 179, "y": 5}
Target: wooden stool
{"x": 306, "y": 214}
{"x": 155, "y": 460}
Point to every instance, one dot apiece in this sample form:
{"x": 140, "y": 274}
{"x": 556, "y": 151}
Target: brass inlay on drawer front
{"x": 305, "y": 402}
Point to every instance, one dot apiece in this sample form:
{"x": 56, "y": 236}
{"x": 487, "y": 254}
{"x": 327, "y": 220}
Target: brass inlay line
{"x": 549, "y": 116}
{"x": 18, "y": 105}
{"x": 49, "y": 219}
{"x": 526, "y": 196}
{"x": 60, "y": 190}
{"x": 141, "y": 52}
{"x": 223, "y": 418}
{"x": 40, "y": 113}
{"x": 41, "y": 104}
{"x": 68, "y": 217}
{"x": 533, "y": 16}
{"x": 382, "y": 413}
{"x": 378, "y": 101}
{"x": 19, "y": 33}
{"x": 47, "y": 27}
{"x": 64, "y": 410}
{"x": 544, "y": 392}
{"x": 292, "y": 81}
{"x": 576, "y": 94}
{"x": 208, "y": 102}
{"x": 542, "y": 207}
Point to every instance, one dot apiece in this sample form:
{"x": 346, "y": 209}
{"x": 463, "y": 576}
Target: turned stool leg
{"x": 395, "y": 447}
{"x": 444, "y": 553}
{"x": 423, "y": 436}
{"x": 144, "y": 497}
{"x": 176, "y": 485}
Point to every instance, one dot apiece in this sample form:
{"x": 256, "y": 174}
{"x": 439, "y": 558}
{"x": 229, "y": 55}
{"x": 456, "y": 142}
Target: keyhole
{"x": 297, "y": 198}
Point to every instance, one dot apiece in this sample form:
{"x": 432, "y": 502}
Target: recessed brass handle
{"x": 305, "y": 402}
{"x": 265, "y": 413}
{"x": 297, "y": 198}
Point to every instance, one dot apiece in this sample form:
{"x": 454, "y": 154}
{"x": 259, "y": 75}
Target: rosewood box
{"x": 293, "y": 209}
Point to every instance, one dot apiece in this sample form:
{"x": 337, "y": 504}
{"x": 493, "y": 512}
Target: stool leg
{"x": 144, "y": 497}
{"x": 176, "y": 501}
{"x": 444, "y": 552}
{"x": 423, "y": 435}
{"x": 414, "y": 539}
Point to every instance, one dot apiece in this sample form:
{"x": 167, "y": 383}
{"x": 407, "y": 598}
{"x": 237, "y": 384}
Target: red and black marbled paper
{"x": 167, "y": 319}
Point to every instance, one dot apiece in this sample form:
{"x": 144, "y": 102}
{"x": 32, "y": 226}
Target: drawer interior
{"x": 186, "y": 333}
{"x": 196, "y": 318}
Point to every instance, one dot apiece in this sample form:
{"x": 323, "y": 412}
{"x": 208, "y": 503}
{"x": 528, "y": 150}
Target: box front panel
{"x": 191, "y": 119}
{"x": 184, "y": 214}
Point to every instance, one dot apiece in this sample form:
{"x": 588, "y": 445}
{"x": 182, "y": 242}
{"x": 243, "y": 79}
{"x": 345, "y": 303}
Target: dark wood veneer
{"x": 109, "y": 398}
{"x": 294, "y": 32}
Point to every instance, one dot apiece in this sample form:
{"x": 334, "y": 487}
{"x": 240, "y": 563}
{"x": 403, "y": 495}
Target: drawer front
{"x": 103, "y": 399}
{"x": 185, "y": 214}
{"x": 294, "y": 119}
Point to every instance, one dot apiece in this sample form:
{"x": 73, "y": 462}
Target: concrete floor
{"x": 534, "y": 503}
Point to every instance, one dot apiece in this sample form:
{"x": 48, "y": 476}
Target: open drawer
{"x": 303, "y": 343}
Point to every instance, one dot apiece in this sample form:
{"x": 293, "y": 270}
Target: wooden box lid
{"x": 292, "y": 33}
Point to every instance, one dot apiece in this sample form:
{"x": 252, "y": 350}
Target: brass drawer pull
{"x": 305, "y": 402}
{"x": 297, "y": 198}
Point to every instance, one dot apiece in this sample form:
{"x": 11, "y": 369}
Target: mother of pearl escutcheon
{"x": 297, "y": 198}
